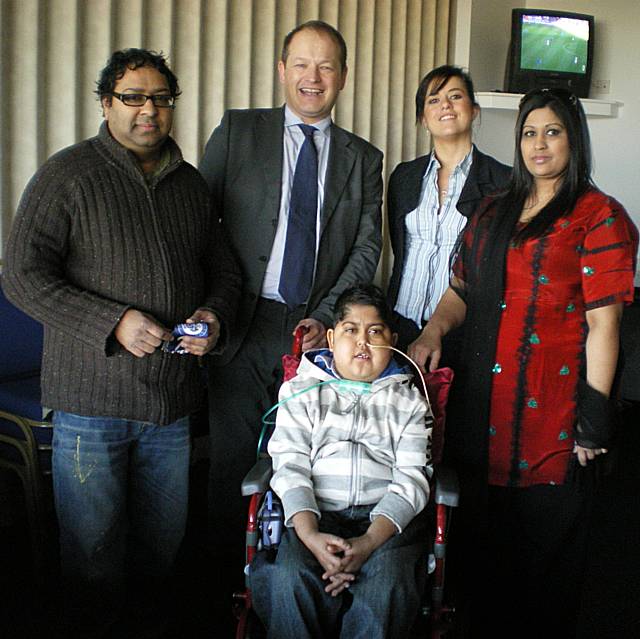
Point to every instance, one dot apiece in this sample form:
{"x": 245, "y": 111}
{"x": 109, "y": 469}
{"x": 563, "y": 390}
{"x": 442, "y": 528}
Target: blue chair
{"x": 25, "y": 434}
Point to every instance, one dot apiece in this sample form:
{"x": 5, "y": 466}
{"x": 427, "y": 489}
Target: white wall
{"x": 490, "y": 31}
{"x": 615, "y": 141}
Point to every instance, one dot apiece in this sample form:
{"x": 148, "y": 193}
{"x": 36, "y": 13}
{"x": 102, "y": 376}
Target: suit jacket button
{"x": 263, "y": 258}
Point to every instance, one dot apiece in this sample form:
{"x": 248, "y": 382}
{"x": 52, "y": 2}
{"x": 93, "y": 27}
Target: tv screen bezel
{"x": 521, "y": 80}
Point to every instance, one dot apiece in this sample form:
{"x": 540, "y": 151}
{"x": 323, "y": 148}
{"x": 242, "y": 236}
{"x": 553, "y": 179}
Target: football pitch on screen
{"x": 552, "y": 49}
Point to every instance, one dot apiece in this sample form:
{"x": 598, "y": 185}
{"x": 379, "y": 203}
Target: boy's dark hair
{"x": 362, "y": 295}
{"x": 120, "y": 61}
{"x": 321, "y": 27}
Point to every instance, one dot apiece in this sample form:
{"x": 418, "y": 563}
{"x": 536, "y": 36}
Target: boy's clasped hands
{"x": 340, "y": 558}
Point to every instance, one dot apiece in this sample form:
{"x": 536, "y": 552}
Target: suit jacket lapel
{"x": 269, "y": 130}
{"x": 339, "y": 167}
{"x": 409, "y": 190}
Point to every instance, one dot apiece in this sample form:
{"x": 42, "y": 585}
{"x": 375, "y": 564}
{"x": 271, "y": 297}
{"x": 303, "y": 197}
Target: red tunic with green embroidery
{"x": 586, "y": 261}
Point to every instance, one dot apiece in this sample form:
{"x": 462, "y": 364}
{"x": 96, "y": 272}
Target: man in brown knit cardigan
{"x": 113, "y": 244}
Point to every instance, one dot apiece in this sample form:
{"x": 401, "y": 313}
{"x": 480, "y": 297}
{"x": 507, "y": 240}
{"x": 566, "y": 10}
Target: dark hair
{"x": 438, "y": 77}
{"x": 322, "y": 27}
{"x": 577, "y": 175}
{"x": 120, "y": 61}
{"x": 362, "y": 295}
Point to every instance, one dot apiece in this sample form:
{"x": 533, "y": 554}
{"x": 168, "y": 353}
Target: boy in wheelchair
{"x": 350, "y": 457}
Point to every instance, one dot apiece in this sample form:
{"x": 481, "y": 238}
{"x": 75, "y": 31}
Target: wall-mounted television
{"x": 550, "y": 49}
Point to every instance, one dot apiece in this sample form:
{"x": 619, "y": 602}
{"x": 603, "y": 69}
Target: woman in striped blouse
{"x": 431, "y": 198}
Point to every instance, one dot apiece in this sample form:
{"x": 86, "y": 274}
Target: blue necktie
{"x": 300, "y": 246}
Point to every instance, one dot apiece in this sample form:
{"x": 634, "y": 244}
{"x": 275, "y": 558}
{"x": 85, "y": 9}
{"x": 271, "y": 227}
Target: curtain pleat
{"x": 224, "y": 53}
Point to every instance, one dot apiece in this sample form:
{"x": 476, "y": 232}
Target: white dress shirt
{"x": 293, "y": 140}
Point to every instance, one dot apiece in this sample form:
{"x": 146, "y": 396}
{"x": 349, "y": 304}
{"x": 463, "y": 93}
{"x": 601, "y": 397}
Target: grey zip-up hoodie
{"x": 339, "y": 443}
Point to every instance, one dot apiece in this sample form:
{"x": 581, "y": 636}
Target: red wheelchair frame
{"x": 444, "y": 494}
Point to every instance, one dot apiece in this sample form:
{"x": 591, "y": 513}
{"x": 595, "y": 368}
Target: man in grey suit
{"x": 251, "y": 166}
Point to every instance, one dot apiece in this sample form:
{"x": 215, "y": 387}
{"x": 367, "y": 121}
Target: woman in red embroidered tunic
{"x": 540, "y": 281}
{"x": 580, "y": 269}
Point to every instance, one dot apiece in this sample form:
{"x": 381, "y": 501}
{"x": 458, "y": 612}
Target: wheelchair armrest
{"x": 447, "y": 486}
{"x": 257, "y": 479}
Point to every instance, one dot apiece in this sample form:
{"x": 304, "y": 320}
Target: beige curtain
{"x": 224, "y": 53}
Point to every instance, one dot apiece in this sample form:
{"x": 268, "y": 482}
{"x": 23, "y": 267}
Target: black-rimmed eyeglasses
{"x": 160, "y": 100}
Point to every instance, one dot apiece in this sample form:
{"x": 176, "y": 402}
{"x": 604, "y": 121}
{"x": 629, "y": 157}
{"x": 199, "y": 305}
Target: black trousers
{"x": 525, "y": 577}
{"x": 239, "y": 394}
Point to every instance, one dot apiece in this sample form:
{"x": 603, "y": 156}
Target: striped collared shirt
{"x": 431, "y": 233}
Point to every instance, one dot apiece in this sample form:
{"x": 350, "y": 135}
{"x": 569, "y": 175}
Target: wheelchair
{"x": 265, "y": 519}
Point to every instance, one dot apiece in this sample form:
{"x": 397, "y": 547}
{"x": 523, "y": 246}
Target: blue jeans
{"x": 121, "y": 495}
{"x": 382, "y": 603}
